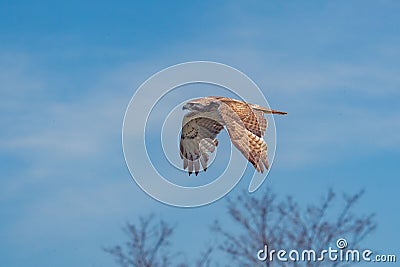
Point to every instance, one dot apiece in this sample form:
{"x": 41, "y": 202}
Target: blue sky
{"x": 68, "y": 71}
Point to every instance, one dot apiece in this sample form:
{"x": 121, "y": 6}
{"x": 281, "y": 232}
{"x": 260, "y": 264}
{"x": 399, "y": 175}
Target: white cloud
{"x": 75, "y": 174}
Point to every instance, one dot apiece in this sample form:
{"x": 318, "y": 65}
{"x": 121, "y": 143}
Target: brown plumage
{"x": 244, "y": 122}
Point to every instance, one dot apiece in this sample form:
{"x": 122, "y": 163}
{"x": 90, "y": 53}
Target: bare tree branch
{"x": 148, "y": 245}
{"x": 285, "y": 225}
{"x": 256, "y": 221}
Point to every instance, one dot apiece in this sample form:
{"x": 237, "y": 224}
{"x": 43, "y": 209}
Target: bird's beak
{"x": 186, "y": 106}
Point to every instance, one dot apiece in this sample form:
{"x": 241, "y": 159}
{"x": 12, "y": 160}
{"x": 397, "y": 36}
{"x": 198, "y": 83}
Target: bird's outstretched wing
{"x": 198, "y": 138}
{"x": 245, "y": 123}
{"x": 253, "y": 119}
{"x": 246, "y": 127}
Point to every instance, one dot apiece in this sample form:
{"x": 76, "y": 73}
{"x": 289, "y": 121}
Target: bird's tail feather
{"x": 268, "y": 111}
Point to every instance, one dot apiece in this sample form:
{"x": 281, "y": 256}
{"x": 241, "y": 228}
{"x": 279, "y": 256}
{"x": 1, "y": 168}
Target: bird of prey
{"x": 244, "y": 122}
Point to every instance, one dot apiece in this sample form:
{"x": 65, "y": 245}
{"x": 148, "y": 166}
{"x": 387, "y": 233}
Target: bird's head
{"x": 201, "y": 104}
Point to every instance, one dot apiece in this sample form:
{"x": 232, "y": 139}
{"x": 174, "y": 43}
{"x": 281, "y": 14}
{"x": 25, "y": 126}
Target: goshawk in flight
{"x": 244, "y": 122}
